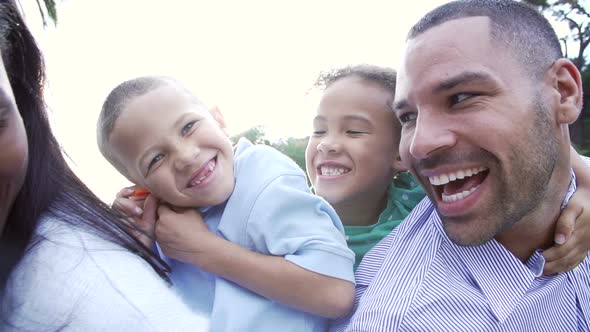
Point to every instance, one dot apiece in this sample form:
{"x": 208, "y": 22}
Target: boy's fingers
{"x": 127, "y": 207}
{"x": 565, "y": 224}
{"x": 150, "y": 209}
{"x": 126, "y": 192}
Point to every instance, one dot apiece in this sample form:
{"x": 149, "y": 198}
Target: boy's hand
{"x": 182, "y": 234}
{"x": 572, "y": 236}
{"x": 139, "y": 212}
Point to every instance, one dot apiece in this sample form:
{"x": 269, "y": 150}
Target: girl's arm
{"x": 572, "y": 231}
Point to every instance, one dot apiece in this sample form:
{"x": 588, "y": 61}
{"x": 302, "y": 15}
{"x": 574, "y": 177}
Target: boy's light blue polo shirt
{"x": 273, "y": 212}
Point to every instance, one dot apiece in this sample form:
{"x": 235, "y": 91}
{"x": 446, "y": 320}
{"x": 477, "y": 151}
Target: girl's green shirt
{"x": 404, "y": 193}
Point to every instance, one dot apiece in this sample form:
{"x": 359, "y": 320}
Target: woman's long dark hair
{"x": 50, "y": 186}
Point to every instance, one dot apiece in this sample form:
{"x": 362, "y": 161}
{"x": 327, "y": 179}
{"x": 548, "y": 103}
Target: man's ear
{"x": 216, "y": 113}
{"x": 568, "y": 83}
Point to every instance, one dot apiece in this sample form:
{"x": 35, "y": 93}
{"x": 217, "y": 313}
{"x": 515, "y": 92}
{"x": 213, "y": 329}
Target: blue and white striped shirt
{"x": 417, "y": 279}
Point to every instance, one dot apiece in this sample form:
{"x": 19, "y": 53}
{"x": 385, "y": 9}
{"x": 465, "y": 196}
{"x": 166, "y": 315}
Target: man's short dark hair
{"x": 514, "y": 25}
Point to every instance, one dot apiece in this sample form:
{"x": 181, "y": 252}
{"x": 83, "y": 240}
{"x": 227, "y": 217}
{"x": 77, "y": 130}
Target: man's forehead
{"x": 439, "y": 52}
{"x": 458, "y": 35}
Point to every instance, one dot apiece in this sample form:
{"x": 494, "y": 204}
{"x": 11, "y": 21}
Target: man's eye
{"x": 407, "y": 117}
{"x": 460, "y": 97}
{"x": 155, "y": 160}
{"x": 187, "y": 128}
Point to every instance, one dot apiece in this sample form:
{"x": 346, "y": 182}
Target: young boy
{"x": 352, "y": 160}
{"x": 268, "y": 237}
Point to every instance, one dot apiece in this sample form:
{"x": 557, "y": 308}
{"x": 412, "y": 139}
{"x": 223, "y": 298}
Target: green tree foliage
{"x": 574, "y": 12}
{"x": 292, "y": 147}
{"x": 47, "y": 8}
{"x": 255, "y": 135}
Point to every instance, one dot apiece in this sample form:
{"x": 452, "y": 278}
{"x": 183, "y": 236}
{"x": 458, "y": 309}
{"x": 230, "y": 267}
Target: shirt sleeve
{"x": 288, "y": 220}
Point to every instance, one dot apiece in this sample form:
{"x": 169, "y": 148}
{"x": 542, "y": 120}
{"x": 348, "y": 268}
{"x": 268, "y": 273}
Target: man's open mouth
{"x": 457, "y": 185}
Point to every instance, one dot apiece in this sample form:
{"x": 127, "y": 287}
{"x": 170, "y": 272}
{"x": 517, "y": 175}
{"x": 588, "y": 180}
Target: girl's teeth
{"x": 332, "y": 171}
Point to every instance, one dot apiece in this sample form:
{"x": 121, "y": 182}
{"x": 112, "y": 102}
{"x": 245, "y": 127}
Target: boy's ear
{"x": 568, "y": 83}
{"x": 216, "y": 113}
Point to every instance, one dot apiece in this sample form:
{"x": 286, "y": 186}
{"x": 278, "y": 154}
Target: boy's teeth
{"x": 333, "y": 171}
{"x": 455, "y": 197}
{"x": 439, "y": 180}
{"x": 210, "y": 166}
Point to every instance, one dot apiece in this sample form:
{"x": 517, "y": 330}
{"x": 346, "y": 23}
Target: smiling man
{"x": 485, "y": 98}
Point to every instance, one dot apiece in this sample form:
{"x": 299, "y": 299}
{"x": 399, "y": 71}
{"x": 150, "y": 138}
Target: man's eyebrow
{"x": 463, "y": 78}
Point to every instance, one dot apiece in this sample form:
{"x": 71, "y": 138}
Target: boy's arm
{"x": 183, "y": 235}
{"x": 572, "y": 231}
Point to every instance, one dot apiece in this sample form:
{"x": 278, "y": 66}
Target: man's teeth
{"x": 332, "y": 171}
{"x": 455, "y": 197}
{"x": 443, "y": 179}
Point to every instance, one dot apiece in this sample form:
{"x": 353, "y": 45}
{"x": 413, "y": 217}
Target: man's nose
{"x": 431, "y": 134}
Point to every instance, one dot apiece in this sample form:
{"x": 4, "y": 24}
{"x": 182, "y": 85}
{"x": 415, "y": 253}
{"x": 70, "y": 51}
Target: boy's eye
{"x": 155, "y": 160}
{"x": 187, "y": 128}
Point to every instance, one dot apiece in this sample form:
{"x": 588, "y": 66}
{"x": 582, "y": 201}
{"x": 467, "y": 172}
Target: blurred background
{"x": 256, "y": 60}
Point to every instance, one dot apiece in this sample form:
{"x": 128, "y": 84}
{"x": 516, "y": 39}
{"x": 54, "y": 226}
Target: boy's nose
{"x": 186, "y": 157}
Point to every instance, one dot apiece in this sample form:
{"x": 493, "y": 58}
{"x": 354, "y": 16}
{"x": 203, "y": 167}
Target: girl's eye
{"x": 187, "y": 128}
{"x": 407, "y": 117}
{"x": 318, "y": 132}
{"x": 155, "y": 160}
{"x": 355, "y": 132}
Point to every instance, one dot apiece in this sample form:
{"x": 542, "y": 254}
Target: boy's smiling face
{"x": 352, "y": 155}
{"x": 172, "y": 145}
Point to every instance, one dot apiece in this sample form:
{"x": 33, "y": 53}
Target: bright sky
{"x": 255, "y": 59}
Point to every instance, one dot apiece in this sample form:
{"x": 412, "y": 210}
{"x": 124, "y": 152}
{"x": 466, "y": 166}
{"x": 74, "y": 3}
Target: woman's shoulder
{"x": 71, "y": 276}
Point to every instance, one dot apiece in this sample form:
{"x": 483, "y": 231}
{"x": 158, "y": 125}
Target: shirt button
{"x": 347, "y": 237}
{"x": 405, "y": 197}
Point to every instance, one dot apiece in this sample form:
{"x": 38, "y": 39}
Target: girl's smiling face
{"x": 353, "y": 153}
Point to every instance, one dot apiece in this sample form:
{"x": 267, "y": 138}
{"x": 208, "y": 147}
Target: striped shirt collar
{"x": 492, "y": 262}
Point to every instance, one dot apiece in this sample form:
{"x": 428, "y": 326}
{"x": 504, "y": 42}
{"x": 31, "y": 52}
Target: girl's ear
{"x": 398, "y": 165}
{"x": 216, "y": 113}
